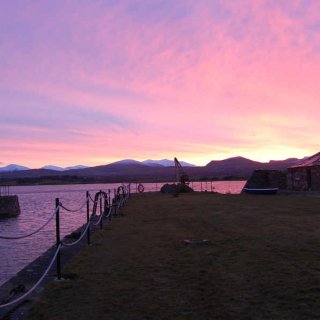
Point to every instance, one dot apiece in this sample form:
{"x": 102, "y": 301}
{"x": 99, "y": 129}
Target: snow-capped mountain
{"x": 127, "y": 161}
{"x": 13, "y": 167}
{"x": 56, "y": 168}
{"x": 167, "y": 163}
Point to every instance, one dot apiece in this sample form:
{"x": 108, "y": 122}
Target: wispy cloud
{"x": 139, "y": 77}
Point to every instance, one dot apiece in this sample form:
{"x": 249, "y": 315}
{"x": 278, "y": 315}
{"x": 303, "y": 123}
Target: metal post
{"x": 115, "y": 201}
{"x": 105, "y": 203}
{"x": 110, "y": 204}
{"x": 58, "y": 238}
{"x": 88, "y": 217}
{"x": 101, "y": 213}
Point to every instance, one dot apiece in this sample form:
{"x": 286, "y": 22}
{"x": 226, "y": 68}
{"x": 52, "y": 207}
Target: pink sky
{"x": 91, "y": 82}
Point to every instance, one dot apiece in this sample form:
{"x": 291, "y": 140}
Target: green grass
{"x": 263, "y": 262}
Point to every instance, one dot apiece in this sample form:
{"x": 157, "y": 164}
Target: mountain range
{"x": 131, "y": 170}
{"x": 152, "y": 163}
{"x": 50, "y": 167}
{"x": 17, "y": 167}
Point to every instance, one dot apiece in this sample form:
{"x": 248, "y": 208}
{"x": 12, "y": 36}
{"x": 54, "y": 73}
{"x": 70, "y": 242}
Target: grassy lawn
{"x": 262, "y": 262}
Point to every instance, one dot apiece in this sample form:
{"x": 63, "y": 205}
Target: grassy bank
{"x": 262, "y": 262}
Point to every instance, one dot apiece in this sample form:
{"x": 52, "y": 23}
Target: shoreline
{"x": 61, "y": 182}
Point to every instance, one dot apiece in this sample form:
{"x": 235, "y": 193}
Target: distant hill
{"x": 236, "y": 166}
{"x": 283, "y": 164}
{"x": 126, "y": 161}
{"x": 243, "y": 167}
{"x": 80, "y": 166}
{"x": 167, "y": 163}
{"x": 13, "y": 167}
{"x": 55, "y": 168}
{"x": 30, "y": 173}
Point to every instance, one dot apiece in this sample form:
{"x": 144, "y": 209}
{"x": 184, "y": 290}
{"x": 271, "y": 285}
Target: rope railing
{"x": 101, "y": 216}
{"x": 36, "y": 284}
{"x": 73, "y": 210}
{"x": 8, "y": 237}
{"x": 98, "y": 221}
{"x": 89, "y": 195}
{"x": 70, "y": 244}
{"x": 109, "y": 212}
{"x": 107, "y": 206}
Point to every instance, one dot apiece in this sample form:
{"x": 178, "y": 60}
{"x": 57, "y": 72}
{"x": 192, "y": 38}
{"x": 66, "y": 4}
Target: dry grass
{"x": 263, "y": 262}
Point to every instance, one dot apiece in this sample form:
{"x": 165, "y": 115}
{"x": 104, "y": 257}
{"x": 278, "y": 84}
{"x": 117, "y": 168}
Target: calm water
{"x": 37, "y": 204}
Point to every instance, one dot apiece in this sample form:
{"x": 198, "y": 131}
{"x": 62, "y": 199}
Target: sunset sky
{"x": 95, "y": 81}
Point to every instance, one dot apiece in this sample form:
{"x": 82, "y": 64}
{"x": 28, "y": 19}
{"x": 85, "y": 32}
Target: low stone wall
{"x": 9, "y": 206}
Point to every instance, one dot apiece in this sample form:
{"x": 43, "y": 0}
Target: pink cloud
{"x": 210, "y": 79}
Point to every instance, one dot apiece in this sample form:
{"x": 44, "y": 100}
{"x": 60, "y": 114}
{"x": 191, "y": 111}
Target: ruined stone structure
{"x": 263, "y": 179}
{"x": 306, "y": 175}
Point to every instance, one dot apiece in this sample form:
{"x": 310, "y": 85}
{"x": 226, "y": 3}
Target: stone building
{"x": 305, "y": 175}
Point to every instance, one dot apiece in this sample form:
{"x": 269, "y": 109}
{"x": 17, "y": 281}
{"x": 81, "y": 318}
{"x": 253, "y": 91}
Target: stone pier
{"x": 9, "y": 206}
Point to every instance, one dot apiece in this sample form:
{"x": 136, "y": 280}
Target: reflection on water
{"x": 37, "y": 204}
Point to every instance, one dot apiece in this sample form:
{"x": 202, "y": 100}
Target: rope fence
{"x": 36, "y": 284}
{"x": 22, "y": 236}
{"x": 73, "y": 210}
{"x": 66, "y": 244}
{"x": 107, "y": 208}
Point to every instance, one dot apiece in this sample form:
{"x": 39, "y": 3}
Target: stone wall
{"x": 304, "y": 178}
{"x": 262, "y": 179}
{"x": 9, "y": 206}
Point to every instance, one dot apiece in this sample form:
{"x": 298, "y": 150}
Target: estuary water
{"x": 37, "y": 205}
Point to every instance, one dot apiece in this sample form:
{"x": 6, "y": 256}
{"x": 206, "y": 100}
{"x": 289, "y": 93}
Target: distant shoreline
{"x": 73, "y": 180}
